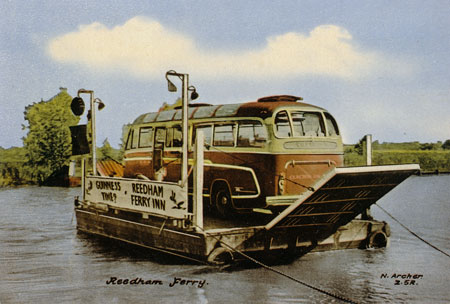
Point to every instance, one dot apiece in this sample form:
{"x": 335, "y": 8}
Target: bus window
{"x": 251, "y": 134}
{"x": 174, "y": 137}
{"x": 298, "y": 119}
{"x": 145, "y": 137}
{"x": 207, "y": 131}
{"x": 132, "y": 140}
{"x": 158, "y": 150}
{"x": 313, "y": 124}
{"x": 331, "y": 125}
{"x": 224, "y": 135}
{"x": 282, "y": 127}
{"x": 129, "y": 140}
{"x": 134, "y": 143}
{"x": 177, "y": 136}
{"x": 303, "y": 124}
{"x": 160, "y": 136}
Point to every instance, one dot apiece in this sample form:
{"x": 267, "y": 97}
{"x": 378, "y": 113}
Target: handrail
{"x": 309, "y": 162}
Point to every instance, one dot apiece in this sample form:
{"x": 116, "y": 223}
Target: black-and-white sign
{"x": 139, "y": 195}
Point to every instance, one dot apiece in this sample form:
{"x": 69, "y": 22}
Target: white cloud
{"x": 145, "y": 48}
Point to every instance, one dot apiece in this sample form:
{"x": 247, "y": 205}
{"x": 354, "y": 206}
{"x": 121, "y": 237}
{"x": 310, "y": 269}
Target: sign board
{"x": 80, "y": 143}
{"x": 162, "y": 198}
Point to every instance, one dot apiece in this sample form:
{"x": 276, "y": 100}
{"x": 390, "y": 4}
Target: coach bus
{"x": 259, "y": 154}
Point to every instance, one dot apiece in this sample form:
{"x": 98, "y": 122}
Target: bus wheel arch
{"x": 221, "y": 199}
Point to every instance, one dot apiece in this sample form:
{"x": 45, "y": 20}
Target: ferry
{"x": 218, "y": 183}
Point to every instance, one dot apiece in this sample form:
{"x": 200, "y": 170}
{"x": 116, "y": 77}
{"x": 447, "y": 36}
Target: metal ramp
{"x": 339, "y": 196}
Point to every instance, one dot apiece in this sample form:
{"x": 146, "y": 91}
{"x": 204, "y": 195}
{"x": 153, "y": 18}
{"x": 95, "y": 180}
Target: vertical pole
{"x": 83, "y": 175}
{"x": 366, "y": 214}
{"x": 184, "y": 165}
{"x": 369, "y": 149}
{"x": 94, "y": 143}
{"x": 72, "y": 168}
{"x": 198, "y": 181}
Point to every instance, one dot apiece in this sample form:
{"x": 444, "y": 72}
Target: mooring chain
{"x": 279, "y": 272}
{"x": 412, "y": 232}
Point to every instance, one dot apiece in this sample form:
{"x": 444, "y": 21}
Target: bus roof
{"x": 263, "y": 107}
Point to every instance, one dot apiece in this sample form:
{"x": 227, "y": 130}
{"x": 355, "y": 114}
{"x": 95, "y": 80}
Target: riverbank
{"x": 430, "y": 157}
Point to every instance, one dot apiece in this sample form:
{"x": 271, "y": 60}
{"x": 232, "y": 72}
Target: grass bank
{"x": 429, "y": 160}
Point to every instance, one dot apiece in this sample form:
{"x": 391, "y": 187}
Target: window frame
{"x": 140, "y": 145}
{"x": 170, "y": 136}
{"x": 275, "y": 132}
{"x": 333, "y": 122}
{"x": 254, "y": 123}
{"x": 203, "y": 125}
{"x": 319, "y": 114}
{"x": 132, "y": 139}
{"x": 233, "y": 131}
{"x": 129, "y": 141}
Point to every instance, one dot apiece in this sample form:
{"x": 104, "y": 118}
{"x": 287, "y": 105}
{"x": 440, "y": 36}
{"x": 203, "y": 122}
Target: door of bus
{"x": 158, "y": 153}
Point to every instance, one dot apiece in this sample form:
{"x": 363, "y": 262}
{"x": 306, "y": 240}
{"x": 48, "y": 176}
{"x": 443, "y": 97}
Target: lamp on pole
{"x": 184, "y": 98}
{"x": 91, "y": 117}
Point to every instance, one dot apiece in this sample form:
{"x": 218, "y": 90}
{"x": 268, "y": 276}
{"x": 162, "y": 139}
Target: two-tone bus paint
{"x": 259, "y": 154}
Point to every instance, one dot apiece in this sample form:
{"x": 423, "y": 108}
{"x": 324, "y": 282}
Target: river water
{"x": 44, "y": 260}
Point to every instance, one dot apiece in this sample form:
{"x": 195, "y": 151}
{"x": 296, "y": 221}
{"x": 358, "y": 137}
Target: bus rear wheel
{"x": 222, "y": 201}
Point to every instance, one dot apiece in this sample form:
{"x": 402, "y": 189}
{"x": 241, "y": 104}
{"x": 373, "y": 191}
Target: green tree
{"x": 48, "y": 141}
{"x": 361, "y": 146}
{"x": 106, "y": 152}
{"x": 123, "y": 141}
{"x": 426, "y": 146}
{"x": 446, "y": 145}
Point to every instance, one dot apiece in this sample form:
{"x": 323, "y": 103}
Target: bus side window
{"x": 174, "y": 137}
{"x": 129, "y": 139}
{"x": 207, "y": 132}
{"x": 177, "y": 136}
{"x": 224, "y": 135}
{"x": 251, "y": 134}
{"x": 169, "y": 137}
{"x": 133, "y": 137}
{"x": 158, "y": 149}
{"x": 134, "y": 143}
{"x": 282, "y": 127}
{"x": 145, "y": 137}
{"x": 331, "y": 125}
{"x": 160, "y": 136}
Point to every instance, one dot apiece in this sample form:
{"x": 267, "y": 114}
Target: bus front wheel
{"x": 222, "y": 201}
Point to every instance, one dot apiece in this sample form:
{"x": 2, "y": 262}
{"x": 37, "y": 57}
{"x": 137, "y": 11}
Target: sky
{"x": 379, "y": 67}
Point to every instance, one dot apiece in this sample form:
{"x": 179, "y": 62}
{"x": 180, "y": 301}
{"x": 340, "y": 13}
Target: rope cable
{"x": 412, "y": 232}
{"x": 347, "y": 300}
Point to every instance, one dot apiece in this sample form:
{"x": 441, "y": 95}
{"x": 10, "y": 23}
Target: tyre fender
{"x": 377, "y": 239}
{"x": 220, "y": 256}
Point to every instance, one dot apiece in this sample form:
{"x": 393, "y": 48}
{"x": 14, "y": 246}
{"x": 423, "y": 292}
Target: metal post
{"x": 83, "y": 175}
{"x": 369, "y": 149}
{"x": 366, "y": 214}
{"x": 93, "y": 137}
{"x": 94, "y": 144}
{"x": 184, "y": 165}
{"x": 198, "y": 181}
{"x": 72, "y": 168}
